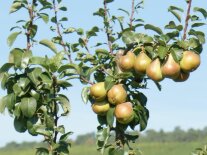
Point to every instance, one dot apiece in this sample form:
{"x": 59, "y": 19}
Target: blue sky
{"x": 178, "y": 104}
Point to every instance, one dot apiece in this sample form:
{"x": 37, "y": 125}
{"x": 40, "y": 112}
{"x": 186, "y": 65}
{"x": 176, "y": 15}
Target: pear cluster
{"x": 114, "y": 97}
{"x": 142, "y": 64}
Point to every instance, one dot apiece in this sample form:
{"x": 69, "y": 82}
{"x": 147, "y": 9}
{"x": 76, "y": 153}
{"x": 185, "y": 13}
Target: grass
{"x": 146, "y": 148}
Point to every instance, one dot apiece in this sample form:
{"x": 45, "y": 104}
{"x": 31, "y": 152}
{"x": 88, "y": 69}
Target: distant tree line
{"x": 177, "y": 135}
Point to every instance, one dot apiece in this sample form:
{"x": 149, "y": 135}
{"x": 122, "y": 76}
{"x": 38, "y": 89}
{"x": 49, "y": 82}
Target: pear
{"x": 171, "y": 68}
{"x": 98, "y": 91}
{"x": 154, "y": 71}
{"x": 183, "y": 76}
{"x": 126, "y": 62}
{"x": 101, "y": 107}
{"x": 117, "y": 94}
{"x": 142, "y": 61}
{"x": 190, "y": 61}
{"x": 124, "y": 113}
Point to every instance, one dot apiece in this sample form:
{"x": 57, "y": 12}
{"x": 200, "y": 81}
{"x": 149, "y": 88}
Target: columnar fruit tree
{"x": 114, "y": 73}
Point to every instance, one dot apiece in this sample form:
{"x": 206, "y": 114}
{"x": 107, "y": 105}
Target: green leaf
{"x": 2, "y": 105}
{"x": 4, "y": 78}
{"x": 154, "y": 28}
{"x": 85, "y": 94}
{"x": 17, "y": 111}
{"x": 68, "y": 67}
{"x": 23, "y": 82}
{"x": 162, "y": 52}
{"x": 6, "y": 67}
{"x": 109, "y": 1}
{"x": 63, "y": 8}
{"x": 28, "y": 106}
{"x": 44, "y": 16}
{"x": 109, "y": 82}
{"x": 9, "y": 100}
{"x": 42, "y": 151}
{"x": 176, "y": 15}
{"x": 15, "y": 57}
{"x": 65, "y": 104}
{"x": 125, "y": 11}
{"x": 102, "y": 53}
{"x": 200, "y": 35}
{"x": 110, "y": 116}
{"x": 172, "y": 25}
{"x": 49, "y": 44}
{"x": 38, "y": 61}
{"x": 20, "y": 124}
{"x": 102, "y": 137}
{"x": 92, "y": 32}
{"x": 42, "y": 131}
{"x": 198, "y": 24}
{"x": 70, "y": 30}
{"x": 175, "y": 8}
{"x": 25, "y": 59}
{"x": 65, "y": 136}
{"x": 34, "y": 74}
{"x": 60, "y": 129}
{"x": 159, "y": 87}
{"x": 12, "y": 37}
{"x": 201, "y": 10}
{"x": 177, "y": 54}
{"x": 128, "y": 37}
{"x": 15, "y": 7}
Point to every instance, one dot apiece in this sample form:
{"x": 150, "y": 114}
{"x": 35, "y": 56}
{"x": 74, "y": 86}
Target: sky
{"x": 178, "y": 104}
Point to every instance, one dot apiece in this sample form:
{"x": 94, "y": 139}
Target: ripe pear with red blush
{"x": 124, "y": 113}
{"x": 126, "y": 62}
{"x": 190, "y": 61}
{"x": 117, "y": 94}
{"x": 154, "y": 70}
{"x": 170, "y": 68}
{"x": 141, "y": 63}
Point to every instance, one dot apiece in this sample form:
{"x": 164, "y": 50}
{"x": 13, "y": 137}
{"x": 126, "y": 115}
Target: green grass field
{"x": 146, "y": 148}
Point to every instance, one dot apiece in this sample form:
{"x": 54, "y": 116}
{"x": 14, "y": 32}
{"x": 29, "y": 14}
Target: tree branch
{"x": 132, "y": 15}
{"x": 187, "y": 19}
{"x": 59, "y": 32}
{"x": 55, "y": 110}
{"x": 107, "y": 27}
{"x": 29, "y": 29}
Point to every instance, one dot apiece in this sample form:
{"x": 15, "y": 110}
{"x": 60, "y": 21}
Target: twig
{"x": 85, "y": 80}
{"x": 107, "y": 27}
{"x": 59, "y": 32}
{"x": 29, "y": 29}
{"x": 132, "y": 15}
{"x": 187, "y": 19}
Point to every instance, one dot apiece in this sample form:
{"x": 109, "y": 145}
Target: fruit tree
{"x": 114, "y": 71}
